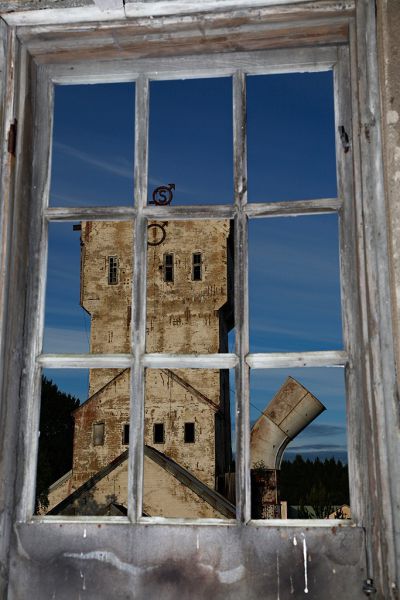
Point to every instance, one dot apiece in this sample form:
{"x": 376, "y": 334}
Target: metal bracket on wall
{"x": 368, "y": 587}
{"x": 344, "y": 138}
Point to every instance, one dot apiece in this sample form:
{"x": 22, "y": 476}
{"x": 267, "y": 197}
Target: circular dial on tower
{"x": 156, "y": 234}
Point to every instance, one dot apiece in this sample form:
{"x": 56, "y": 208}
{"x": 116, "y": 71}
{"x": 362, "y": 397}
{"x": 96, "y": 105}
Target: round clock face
{"x": 156, "y": 234}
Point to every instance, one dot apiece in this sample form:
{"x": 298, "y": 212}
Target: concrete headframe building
{"x": 187, "y": 411}
{"x": 188, "y": 456}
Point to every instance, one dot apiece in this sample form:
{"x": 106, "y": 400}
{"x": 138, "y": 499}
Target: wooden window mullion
{"x": 243, "y": 501}
{"x": 135, "y": 475}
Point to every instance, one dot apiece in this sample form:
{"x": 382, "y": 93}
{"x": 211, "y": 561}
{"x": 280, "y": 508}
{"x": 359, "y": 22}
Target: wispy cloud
{"x": 324, "y": 429}
{"x": 64, "y": 341}
{"x": 119, "y": 166}
{"x": 314, "y": 447}
{"x": 261, "y": 332}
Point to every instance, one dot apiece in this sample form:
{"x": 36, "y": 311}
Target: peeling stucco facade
{"x": 183, "y": 315}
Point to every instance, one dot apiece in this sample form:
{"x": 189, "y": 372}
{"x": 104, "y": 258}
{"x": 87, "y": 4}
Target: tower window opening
{"x": 168, "y": 267}
{"x": 98, "y": 434}
{"x": 112, "y": 270}
{"x": 125, "y": 434}
{"x": 189, "y": 433}
{"x": 158, "y": 433}
{"x": 197, "y": 274}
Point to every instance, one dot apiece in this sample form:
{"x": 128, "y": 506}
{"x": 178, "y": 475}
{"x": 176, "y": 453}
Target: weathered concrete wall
{"x": 182, "y": 316}
{"x": 169, "y": 402}
{"x": 110, "y": 406}
{"x": 111, "y": 489}
{"x": 62, "y": 488}
{"x": 108, "y": 305}
{"x": 165, "y": 496}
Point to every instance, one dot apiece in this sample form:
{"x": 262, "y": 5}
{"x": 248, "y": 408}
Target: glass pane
{"x": 190, "y": 144}
{"x": 190, "y": 286}
{"x": 82, "y": 459}
{"x": 93, "y": 143}
{"x": 294, "y": 287}
{"x": 189, "y": 470}
{"x": 291, "y": 137}
{"x": 88, "y": 295}
{"x": 298, "y": 444}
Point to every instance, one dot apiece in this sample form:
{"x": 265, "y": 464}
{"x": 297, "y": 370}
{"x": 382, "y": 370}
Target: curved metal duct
{"x": 289, "y": 412}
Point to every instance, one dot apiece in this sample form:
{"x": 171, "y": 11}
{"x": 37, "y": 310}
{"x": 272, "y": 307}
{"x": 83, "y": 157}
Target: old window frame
{"x": 237, "y": 66}
{"x": 367, "y": 215}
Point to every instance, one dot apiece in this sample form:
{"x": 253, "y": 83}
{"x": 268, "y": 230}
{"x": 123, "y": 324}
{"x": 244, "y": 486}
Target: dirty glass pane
{"x": 294, "y": 289}
{"x": 291, "y": 137}
{"x": 190, "y": 143}
{"x": 189, "y": 467}
{"x": 93, "y": 143}
{"x": 82, "y": 458}
{"x": 88, "y": 293}
{"x": 190, "y": 286}
{"x": 298, "y": 444}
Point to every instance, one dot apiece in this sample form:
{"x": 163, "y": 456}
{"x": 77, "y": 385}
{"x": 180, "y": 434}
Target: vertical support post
{"x": 243, "y": 501}
{"x": 36, "y": 223}
{"x": 9, "y": 74}
{"x": 352, "y": 277}
{"x": 382, "y": 449}
{"x": 138, "y": 334}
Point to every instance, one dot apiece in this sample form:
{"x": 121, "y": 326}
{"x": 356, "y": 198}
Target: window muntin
{"x": 330, "y": 206}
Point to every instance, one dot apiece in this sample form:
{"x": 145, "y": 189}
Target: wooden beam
{"x": 167, "y": 8}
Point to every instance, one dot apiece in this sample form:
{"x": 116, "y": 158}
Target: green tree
{"x": 320, "y": 484}
{"x": 56, "y": 438}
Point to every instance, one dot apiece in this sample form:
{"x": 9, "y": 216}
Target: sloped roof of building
{"x": 213, "y": 498}
{"x": 96, "y": 394}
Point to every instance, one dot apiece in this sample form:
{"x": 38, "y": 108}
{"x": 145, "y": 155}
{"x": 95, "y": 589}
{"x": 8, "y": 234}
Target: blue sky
{"x": 293, "y": 262}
